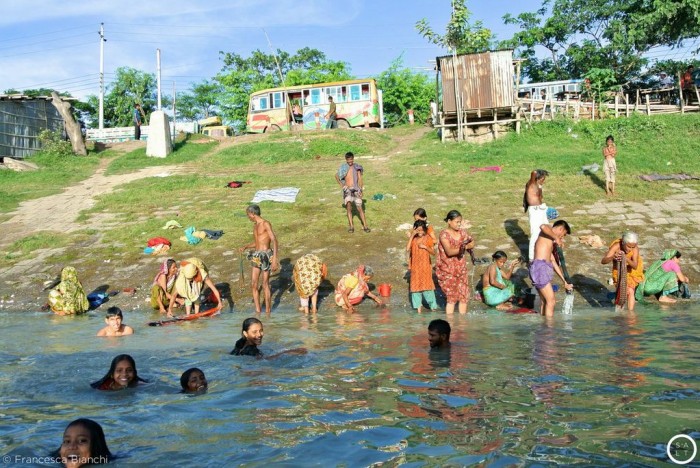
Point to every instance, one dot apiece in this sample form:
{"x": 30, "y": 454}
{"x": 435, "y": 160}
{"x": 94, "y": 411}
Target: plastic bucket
{"x": 384, "y": 290}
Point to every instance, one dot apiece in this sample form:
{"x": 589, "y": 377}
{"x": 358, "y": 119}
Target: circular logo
{"x": 683, "y": 451}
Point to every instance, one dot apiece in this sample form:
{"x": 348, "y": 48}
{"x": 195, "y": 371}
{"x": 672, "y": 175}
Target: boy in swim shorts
{"x": 263, "y": 259}
{"x": 544, "y": 265}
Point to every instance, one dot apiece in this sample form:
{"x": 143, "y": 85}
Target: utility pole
{"x": 158, "y": 75}
{"x": 174, "y": 114}
{"x": 102, "y": 76}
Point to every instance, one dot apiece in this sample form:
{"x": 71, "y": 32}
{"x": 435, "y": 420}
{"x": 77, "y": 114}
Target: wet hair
{"x": 369, "y": 271}
{"x": 441, "y": 326}
{"x": 185, "y": 377}
{"x": 349, "y": 155}
{"x": 629, "y": 237}
{"x": 540, "y": 173}
{"x": 99, "y": 452}
{"x": 115, "y": 311}
{"x": 420, "y": 224}
{"x": 253, "y": 209}
{"x": 242, "y": 341}
{"x": 498, "y": 254}
{"x": 452, "y": 215}
{"x": 110, "y": 374}
{"x": 610, "y": 138}
{"x": 678, "y": 255}
{"x": 561, "y": 222}
{"x": 420, "y": 212}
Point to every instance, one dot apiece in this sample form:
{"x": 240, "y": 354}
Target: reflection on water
{"x": 593, "y": 388}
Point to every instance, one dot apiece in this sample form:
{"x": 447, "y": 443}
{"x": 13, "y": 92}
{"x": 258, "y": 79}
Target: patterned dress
{"x": 452, "y": 271}
{"x": 308, "y": 274}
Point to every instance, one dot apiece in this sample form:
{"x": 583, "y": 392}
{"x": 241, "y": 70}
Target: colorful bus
{"x": 358, "y": 104}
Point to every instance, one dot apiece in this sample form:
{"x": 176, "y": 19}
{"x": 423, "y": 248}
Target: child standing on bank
{"x": 609, "y": 165}
{"x": 421, "y": 247}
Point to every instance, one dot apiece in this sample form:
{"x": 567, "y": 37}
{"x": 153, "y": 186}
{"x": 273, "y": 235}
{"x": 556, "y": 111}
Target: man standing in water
{"x": 263, "y": 259}
{"x": 439, "y": 334}
{"x": 543, "y": 266}
{"x": 534, "y": 206}
{"x": 349, "y": 177}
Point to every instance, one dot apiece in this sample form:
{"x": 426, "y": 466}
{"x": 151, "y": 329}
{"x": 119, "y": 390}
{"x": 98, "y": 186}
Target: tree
{"x": 580, "y": 35}
{"x": 403, "y": 89}
{"x": 200, "y": 102}
{"x": 130, "y": 86}
{"x": 241, "y": 76}
{"x": 461, "y": 35}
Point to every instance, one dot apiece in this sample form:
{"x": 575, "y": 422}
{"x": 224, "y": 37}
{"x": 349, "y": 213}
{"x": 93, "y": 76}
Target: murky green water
{"x": 595, "y": 388}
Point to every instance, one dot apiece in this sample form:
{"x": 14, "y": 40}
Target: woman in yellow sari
{"x": 68, "y": 298}
{"x": 626, "y": 252}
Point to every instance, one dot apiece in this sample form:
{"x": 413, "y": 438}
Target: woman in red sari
{"x": 451, "y": 267}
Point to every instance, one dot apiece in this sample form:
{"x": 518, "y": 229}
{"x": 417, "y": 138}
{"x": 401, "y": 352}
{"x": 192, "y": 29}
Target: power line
{"x": 41, "y": 34}
{"x": 45, "y": 50}
{"x": 43, "y": 42}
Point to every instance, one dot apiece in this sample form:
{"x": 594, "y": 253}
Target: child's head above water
{"x": 84, "y": 444}
{"x": 193, "y": 380}
{"x": 122, "y": 374}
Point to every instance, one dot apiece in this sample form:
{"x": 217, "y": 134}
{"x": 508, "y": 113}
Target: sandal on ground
{"x": 367, "y": 229}
{"x": 351, "y": 229}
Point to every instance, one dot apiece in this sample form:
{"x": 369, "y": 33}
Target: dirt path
{"x": 59, "y": 212}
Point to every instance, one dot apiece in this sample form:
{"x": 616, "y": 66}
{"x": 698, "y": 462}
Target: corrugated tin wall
{"x": 21, "y": 121}
{"x": 485, "y": 81}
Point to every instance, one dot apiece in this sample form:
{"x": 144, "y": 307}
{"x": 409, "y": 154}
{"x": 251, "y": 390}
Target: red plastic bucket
{"x": 384, "y": 289}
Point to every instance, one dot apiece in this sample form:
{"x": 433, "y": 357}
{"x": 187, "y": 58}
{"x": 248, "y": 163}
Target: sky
{"x": 55, "y": 44}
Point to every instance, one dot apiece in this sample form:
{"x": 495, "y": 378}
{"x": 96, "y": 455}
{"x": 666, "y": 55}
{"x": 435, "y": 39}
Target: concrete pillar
{"x": 159, "y": 144}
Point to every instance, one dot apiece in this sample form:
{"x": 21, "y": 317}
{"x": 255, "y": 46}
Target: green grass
{"x": 428, "y": 174}
{"x": 183, "y": 151}
{"x": 42, "y": 240}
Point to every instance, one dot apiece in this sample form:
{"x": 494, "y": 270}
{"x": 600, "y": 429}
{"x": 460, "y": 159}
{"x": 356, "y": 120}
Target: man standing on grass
{"x": 536, "y": 209}
{"x": 263, "y": 259}
{"x": 331, "y": 116}
{"x": 137, "y": 121}
{"x": 349, "y": 177}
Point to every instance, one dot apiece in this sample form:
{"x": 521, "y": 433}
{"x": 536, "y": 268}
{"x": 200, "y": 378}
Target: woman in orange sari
{"x": 626, "y": 247}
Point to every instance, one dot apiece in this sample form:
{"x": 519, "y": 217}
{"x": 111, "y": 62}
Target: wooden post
{"x": 567, "y": 106}
{"x": 697, "y": 95}
{"x": 647, "y": 102}
{"x": 680, "y": 93}
{"x": 617, "y": 102}
{"x": 577, "y": 110}
{"x": 627, "y": 105}
{"x": 593, "y": 110}
{"x": 637, "y": 102}
{"x": 532, "y": 109}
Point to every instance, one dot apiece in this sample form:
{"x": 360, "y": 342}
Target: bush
{"x": 53, "y": 144}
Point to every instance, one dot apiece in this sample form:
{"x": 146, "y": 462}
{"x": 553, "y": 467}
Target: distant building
{"x": 22, "y": 119}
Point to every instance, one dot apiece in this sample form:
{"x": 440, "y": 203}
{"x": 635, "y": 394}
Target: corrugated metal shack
{"x": 482, "y": 100}
{"x": 22, "y": 118}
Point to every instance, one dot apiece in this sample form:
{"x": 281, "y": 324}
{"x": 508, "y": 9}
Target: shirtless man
{"x": 534, "y": 206}
{"x": 263, "y": 259}
{"x": 349, "y": 177}
{"x": 544, "y": 265}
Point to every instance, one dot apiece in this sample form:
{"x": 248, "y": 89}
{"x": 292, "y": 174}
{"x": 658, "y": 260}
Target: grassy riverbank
{"x": 410, "y": 167}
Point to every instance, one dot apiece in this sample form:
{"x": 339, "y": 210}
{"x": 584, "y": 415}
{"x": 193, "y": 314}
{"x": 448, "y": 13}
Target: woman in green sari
{"x": 68, "y": 298}
{"x": 662, "y": 278}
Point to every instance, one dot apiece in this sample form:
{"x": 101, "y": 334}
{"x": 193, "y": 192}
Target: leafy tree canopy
{"x": 403, "y": 89}
{"x": 130, "y": 86}
{"x": 465, "y": 37}
{"x": 581, "y": 35}
{"x": 200, "y": 102}
{"x": 242, "y": 76}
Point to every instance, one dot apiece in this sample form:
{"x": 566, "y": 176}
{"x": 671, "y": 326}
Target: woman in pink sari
{"x": 352, "y": 288}
{"x": 451, "y": 266}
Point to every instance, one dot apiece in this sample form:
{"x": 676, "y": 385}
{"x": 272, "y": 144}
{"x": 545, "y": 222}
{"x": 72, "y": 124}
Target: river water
{"x": 593, "y": 388}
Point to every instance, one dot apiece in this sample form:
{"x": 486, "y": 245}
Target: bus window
{"x": 355, "y": 92}
{"x": 278, "y": 99}
{"x": 343, "y": 96}
{"x": 365, "y": 92}
{"x": 262, "y": 103}
{"x": 315, "y": 96}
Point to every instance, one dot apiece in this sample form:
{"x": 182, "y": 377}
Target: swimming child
{"x": 83, "y": 444}
{"x": 193, "y": 381}
{"x": 252, "y": 332}
{"x": 498, "y": 289}
{"x": 122, "y": 374}
{"x": 420, "y": 248}
{"x": 115, "y": 327}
